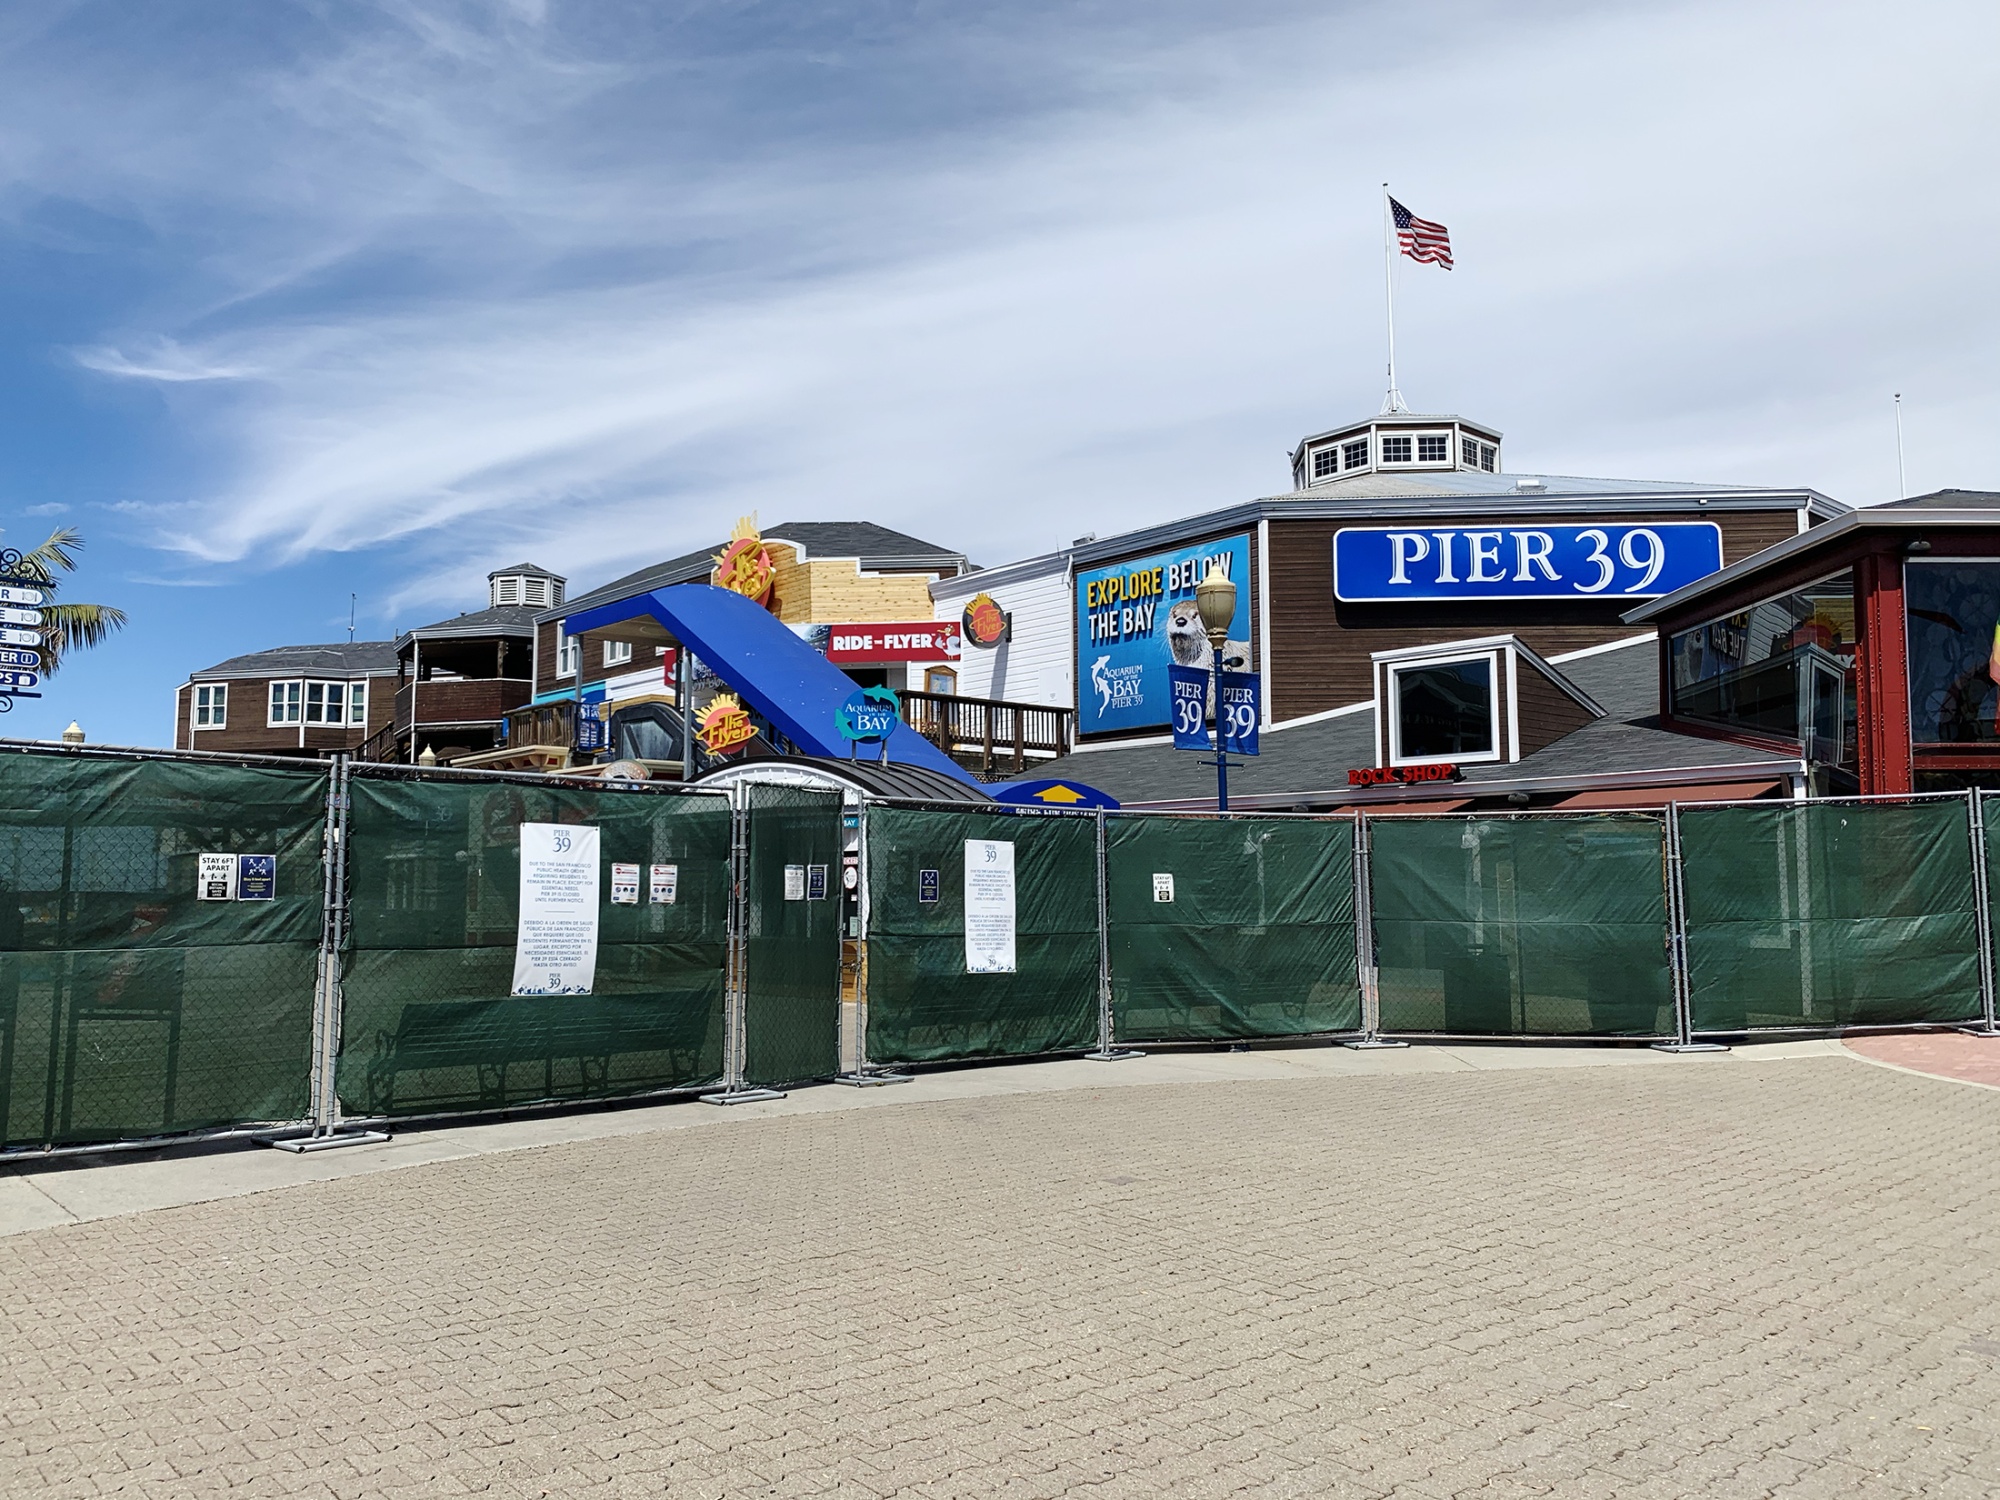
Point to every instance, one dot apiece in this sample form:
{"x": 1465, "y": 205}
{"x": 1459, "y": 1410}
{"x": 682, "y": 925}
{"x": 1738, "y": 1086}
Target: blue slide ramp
{"x": 775, "y": 672}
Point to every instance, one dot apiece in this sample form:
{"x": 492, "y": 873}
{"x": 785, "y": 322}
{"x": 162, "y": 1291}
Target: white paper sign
{"x": 624, "y": 885}
{"x": 795, "y": 882}
{"x": 555, "y": 947}
{"x": 215, "y": 877}
{"x": 1163, "y": 885}
{"x": 989, "y": 907}
{"x": 662, "y": 884}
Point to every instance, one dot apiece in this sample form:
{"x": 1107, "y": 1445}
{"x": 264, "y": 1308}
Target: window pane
{"x": 357, "y": 703}
{"x": 1954, "y": 647}
{"x": 1770, "y": 669}
{"x": 1395, "y": 450}
{"x": 1433, "y": 448}
{"x": 1325, "y": 461}
{"x": 1445, "y": 710}
{"x": 1356, "y": 454}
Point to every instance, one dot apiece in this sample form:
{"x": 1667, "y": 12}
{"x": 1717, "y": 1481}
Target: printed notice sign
{"x": 816, "y": 882}
{"x": 256, "y": 877}
{"x": 795, "y": 882}
{"x": 1163, "y": 885}
{"x": 624, "y": 885}
{"x": 215, "y": 877}
{"x": 927, "y": 886}
{"x": 555, "y": 951}
{"x": 662, "y": 884}
{"x": 989, "y": 907}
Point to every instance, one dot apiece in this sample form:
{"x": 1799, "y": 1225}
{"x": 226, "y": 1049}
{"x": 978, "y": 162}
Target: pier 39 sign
{"x": 1374, "y": 565}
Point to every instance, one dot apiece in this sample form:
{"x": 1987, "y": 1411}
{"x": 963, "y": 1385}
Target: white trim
{"x": 1513, "y": 706}
{"x": 1326, "y": 713}
{"x": 1151, "y": 739}
{"x": 1392, "y": 709}
{"x": 1630, "y": 640}
{"x": 1264, "y": 617}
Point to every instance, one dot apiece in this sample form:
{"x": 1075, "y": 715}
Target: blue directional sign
{"x": 19, "y": 682}
{"x": 1389, "y": 564}
{"x": 12, "y": 658}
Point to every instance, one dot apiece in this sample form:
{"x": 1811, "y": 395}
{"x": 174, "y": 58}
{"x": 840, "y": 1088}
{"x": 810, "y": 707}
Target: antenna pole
{"x": 350, "y": 619}
{"x": 1902, "y": 484}
{"x": 1393, "y": 401}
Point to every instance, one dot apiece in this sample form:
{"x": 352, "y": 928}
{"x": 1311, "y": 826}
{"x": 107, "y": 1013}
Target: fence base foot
{"x": 304, "y": 1143}
{"x": 1111, "y": 1054}
{"x": 743, "y": 1096}
{"x": 1988, "y": 1033}
{"x": 1689, "y": 1047}
{"x": 858, "y": 1080}
{"x": 1371, "y": 1043}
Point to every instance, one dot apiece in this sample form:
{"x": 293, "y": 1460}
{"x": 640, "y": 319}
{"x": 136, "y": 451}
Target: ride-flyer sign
{"x": 918, "y": 640}
{"x": 1387, "y": 564}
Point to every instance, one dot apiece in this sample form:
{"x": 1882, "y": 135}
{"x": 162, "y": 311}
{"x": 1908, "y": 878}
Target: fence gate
{"x": 790, "y": 1016}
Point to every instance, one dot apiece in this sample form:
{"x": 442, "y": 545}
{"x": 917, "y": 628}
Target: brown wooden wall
{"x": 1320, "y": 647}
{"x": 249, "y": 704}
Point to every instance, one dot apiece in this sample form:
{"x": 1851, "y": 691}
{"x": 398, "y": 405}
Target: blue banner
{"x": 1135, "y": 619}
{"x": 1189, "y": 686}
{"x": 1241, "y": 702}
{"x": 1386, "y": 564}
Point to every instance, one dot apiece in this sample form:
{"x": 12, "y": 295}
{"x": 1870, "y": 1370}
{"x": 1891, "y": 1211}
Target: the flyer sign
{"x": 555, "y": 950}
{"x": 624, "y": 885}
{"x": 662, "y": 884}
{"x": 256, "y": 877}
{"x": 1240, "y": 712}
{"x": 1190, "y": 689}
{"x": 1136, "y": 619}
{"x": 215, "y": 877}
{"x": 989, "y": 907}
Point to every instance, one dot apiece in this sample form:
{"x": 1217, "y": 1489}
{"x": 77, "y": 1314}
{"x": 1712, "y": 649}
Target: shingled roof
{"x": 347, "y": 659}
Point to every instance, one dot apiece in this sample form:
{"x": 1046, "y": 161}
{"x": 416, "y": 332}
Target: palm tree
{"x": 65, "y": 627}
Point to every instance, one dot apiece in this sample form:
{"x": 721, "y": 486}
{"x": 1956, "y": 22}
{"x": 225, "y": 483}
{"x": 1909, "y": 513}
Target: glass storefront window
{"x": 1784, "y": 668}
{"x": 1444, "y": 710}
{"x": 1953, "y": 625}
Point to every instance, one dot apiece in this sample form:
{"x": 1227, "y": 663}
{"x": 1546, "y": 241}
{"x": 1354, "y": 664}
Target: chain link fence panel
{"x": 791, "y": 1018}
{"x": 129, "y": 1005}
{"x": 1820, "y": 914}
{"x": 1530, "y": 926}
{"x": 429, "y": 1023}
{"x": 923, "y": 1004}
{"x": 1231, "y": 928}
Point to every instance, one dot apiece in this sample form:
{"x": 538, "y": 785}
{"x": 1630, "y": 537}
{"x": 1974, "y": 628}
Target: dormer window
{"x": 1433, "y": 448}
{"x": 1396, "y": 450}
{"x": 1326, "y": 462}
{"x": 1355, "y": 454}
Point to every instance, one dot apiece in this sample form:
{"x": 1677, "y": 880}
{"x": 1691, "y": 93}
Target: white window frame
{"x": 569, "y": 652}
{"x": 1393, "y": 692}
{"x": 617, "y": 653}
{"x": 1347, "y": 465}
{"x": 211, "y": 698}
{"x": 357, "y": 701}
{"x": 285, "y": 710}
{"x": 1331, "y": 453}
{"x": 325, "y": 688}
{"x": 1384, "y": 440}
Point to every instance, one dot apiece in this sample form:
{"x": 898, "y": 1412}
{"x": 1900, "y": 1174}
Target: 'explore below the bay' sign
{"x": 1379, "y": 565}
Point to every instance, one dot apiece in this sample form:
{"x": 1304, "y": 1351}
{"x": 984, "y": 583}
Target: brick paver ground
{"x": 1703, "y": 1280}
{"x": 1944, "y": 1054}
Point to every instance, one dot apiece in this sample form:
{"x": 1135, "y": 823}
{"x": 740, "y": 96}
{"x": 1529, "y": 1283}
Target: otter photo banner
{"x": 989, "y": 906}
{"x": 1137, "y": 617}
{"x": 555, "y": 945}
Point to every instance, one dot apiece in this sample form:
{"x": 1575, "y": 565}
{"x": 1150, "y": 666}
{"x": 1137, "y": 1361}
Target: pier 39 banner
{"x": 1134, "y": 618}
{"x": 1385, "y": 564}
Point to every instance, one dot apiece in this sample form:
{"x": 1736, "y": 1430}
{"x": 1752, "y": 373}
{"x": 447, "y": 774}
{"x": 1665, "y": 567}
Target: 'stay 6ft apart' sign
{"x": 1379, "y": 565}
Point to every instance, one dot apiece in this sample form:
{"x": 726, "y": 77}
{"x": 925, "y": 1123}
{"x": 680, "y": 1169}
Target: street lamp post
{"x": 1215, "y": 597}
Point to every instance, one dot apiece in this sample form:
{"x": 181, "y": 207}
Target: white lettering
{"x": 1598, "y": 542}
{"x": 1654, "y": 560}
{"x": 1445, "y": 574}
{"x": 1485, "y": 549}
{"x": 1528, "y": 556}
{"x": 1401, "y": 555}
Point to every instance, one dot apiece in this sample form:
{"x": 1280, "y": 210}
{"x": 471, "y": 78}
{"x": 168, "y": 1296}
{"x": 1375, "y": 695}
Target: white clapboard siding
{"x": 1039, "y": 664}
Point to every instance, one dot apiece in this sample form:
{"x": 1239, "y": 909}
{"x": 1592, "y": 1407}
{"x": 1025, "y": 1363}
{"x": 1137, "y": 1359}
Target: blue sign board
{"x": 590, "y": 730}
{"x": 1189, "y": 686}
{"x": 1387, "y": 564}
{"x": 1134, "y": 619}
{"x": 927, "y": 887}
{"x": 10, "y": 657}
{"x": 1241, "y": 701}
{"x": 1051, "y": 794}
{"x": 871, "y": 714}
{"x": 256, "y": 877}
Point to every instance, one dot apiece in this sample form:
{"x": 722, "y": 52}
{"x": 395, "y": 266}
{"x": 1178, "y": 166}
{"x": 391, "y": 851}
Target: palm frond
{"x": 75, "y": 627}
{"x": 57, "y": 553}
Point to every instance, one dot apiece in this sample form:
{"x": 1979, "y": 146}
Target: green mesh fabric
{"x": 1830, "y": 914}
{"x": 1257, "y": 940}
{"x": 922, "y": 1004}
{"x": 128, "y": 1007}
{"x": 428, "y": 1023}
{"x": 1544, "y": 926}
{"x": 791, "y": 1016}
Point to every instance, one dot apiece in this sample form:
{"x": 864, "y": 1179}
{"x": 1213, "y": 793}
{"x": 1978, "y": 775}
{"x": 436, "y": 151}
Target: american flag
{"x": 1420, "y": 238}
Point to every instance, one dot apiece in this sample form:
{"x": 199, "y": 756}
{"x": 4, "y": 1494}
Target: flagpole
{"x": 1393, "y": 401}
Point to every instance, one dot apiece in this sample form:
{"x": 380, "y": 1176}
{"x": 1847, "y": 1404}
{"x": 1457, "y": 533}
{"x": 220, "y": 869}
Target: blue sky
{"x": 304, "y": 300}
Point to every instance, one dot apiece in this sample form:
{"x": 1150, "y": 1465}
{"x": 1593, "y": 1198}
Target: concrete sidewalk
{"x": 37, "y": 1195}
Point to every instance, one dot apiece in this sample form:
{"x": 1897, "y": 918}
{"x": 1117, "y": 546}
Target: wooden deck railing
{"x": 986, "y": 735}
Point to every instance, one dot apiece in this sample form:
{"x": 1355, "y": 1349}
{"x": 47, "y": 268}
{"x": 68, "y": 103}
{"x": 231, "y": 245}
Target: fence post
{"x": 1675, "y": 874}
{"x": 1982, "y": 916}
{"x": 1364, "y": 942}
{"x": 736, "y": 982}
{"x": 864, "y": 1076}
{"x": 327, "y": 993}
{"x": 1105, "y": 1052}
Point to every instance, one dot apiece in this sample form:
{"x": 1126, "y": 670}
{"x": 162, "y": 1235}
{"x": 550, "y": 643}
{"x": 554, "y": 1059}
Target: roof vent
{"x": 1530, "y": 487}
{"x": 1087, "y": 537}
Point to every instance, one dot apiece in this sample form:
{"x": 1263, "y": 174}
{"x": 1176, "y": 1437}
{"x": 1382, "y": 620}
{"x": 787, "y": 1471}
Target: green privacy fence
{"x": 1231, "y": 930}
{"x": 926, "y": 1002}
{"x": 152, "y": 979}
{"x": 1832, "y": 914}
{"x": 1522, "y": 926}
{"x": 791, "y": 1010}
{"x": 430, "y": 1019}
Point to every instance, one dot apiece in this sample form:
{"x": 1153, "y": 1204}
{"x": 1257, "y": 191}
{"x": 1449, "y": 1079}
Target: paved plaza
{"x": 1696, "y": 1277}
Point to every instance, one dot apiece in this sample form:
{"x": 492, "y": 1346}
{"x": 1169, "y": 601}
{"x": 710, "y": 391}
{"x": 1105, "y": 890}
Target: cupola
{"x": 524, "y": 584}
{"x": 1395, "y": 443}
